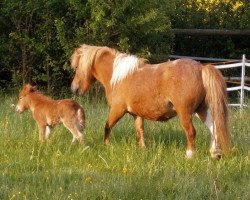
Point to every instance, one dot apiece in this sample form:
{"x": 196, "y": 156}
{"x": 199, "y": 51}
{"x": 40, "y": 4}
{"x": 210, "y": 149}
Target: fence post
{"x": 242, "y": 81}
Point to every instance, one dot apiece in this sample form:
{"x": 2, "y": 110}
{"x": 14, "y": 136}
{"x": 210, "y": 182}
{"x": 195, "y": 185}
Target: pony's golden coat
{"x": 157, "y": 92}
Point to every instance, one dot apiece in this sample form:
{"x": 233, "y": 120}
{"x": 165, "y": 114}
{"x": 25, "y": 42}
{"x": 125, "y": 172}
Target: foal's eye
{"x": 20, "y": 98}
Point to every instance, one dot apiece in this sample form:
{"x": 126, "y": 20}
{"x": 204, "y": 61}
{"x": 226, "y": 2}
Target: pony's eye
{"x": 20, "y": 98}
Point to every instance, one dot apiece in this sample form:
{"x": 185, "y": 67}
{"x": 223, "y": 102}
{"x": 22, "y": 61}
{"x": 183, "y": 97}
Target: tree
{"x": 211, "y": 14}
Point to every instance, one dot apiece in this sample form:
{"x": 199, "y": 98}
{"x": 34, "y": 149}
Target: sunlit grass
{"x": 59, "y": 170}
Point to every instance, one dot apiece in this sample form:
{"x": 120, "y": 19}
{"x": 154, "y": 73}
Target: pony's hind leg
{"x": 204, "y": 114}
{"x": 187, "y": 124}
{"x": 139, "y": 125}
{"x": 115, "y": 113}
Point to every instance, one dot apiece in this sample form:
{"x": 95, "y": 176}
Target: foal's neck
{"x": 37, "y": 98}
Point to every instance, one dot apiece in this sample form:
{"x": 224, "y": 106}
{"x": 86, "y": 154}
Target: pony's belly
{"x": 157, "y": 117}
{"x": 166, "y": 117}
{"x": 52, "y": 120}
{"x": 154, "y": 112}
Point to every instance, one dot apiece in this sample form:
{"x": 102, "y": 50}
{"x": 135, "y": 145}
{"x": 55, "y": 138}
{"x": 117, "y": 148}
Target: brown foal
{"x": 48, "y": 112}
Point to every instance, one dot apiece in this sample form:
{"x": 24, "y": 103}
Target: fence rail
{"x": 243, "y": 63}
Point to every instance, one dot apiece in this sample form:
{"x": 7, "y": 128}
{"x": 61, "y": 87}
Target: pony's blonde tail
{"x": 216, "y": 99}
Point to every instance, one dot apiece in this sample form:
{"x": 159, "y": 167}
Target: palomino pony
{"x": 156, "y": 92}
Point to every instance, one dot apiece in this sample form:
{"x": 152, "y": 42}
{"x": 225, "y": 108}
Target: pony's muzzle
{"x": 74, "y": 89}
{"x": 77, "y": 90}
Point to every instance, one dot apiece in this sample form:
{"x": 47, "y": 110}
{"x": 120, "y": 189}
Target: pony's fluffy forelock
{"x": 83, "y": 57}
{"x": 123, "y": 66}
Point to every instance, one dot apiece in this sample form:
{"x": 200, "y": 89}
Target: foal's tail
{"x": 81, "y": 117}
{"x": 216, "y": 99}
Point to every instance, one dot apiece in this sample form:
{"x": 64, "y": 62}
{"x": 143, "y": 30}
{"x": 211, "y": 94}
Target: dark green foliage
{"x": 37, "y": 38}
{"x": 212, "y": 14}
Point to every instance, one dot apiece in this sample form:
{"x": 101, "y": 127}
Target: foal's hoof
{"x": 142, "y": 145}
{"x": 78, "y": 142}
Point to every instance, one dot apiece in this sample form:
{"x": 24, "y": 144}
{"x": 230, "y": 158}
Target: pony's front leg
{"x": 139, "y": 125}
{"x": 115, "y": 114}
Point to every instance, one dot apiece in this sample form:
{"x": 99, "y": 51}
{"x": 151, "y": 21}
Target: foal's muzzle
{"x": 18, "y": 109}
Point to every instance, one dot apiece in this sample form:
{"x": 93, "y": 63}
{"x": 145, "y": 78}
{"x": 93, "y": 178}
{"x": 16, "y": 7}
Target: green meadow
{"x": 56, "y": 169}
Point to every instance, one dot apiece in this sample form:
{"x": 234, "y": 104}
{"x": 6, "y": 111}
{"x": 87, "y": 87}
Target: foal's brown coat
{"x": 48, "y": 112}
{"x": 157, "y": 92}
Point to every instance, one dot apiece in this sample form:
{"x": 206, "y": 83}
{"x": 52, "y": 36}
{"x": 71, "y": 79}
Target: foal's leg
{"x": 205, "y": 116}
{"x": 42, "y": 130}
{"x": 187, "y": 124}
{"x": 47, "y": 132}
{"x": 139, "y": 125}
{"x": 115, "y": 113}
{"x": 75, "y": 131}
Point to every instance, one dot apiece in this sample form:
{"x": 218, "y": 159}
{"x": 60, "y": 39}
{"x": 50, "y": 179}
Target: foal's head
{"x": 82, "y": 61}
{"x": 23, "y": 102}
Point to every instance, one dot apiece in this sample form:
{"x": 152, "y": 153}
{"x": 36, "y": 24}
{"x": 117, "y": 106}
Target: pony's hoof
{"x": 216, "y": 154}
{"x": 189, "y": 154}
{"x": 106, "y": 142}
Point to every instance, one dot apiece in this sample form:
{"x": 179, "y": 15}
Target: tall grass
{"x": 59, "y": 170}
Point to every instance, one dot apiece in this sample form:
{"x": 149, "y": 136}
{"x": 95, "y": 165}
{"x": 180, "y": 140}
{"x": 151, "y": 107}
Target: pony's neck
{"x": 103, "y": 70}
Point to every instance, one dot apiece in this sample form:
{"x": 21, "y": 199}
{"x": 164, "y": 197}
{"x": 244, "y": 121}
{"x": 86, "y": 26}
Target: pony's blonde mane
{"x": 123, "y": 66}
{"x": 83, "y": 57}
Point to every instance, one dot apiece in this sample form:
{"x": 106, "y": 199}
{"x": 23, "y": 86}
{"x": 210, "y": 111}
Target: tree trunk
{"x": 24, "y": 62}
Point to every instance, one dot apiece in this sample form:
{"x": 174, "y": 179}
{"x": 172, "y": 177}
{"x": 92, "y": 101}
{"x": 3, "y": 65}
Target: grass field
{"x": 58, "y": 170}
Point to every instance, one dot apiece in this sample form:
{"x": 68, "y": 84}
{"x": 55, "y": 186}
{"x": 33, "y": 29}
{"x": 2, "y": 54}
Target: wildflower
{"x": 89, "y": 166}
{"x": 125, "y": 170}
{"x": 88, "y": 179}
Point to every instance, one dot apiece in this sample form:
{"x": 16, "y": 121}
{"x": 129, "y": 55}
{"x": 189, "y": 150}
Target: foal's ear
{"x": 30, "y": 88}
{"x": 33, "y": 88}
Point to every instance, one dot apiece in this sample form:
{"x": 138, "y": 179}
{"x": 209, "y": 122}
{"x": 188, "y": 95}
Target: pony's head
{"x": 23, "y": 102}
{"x": 82, "y": 61}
